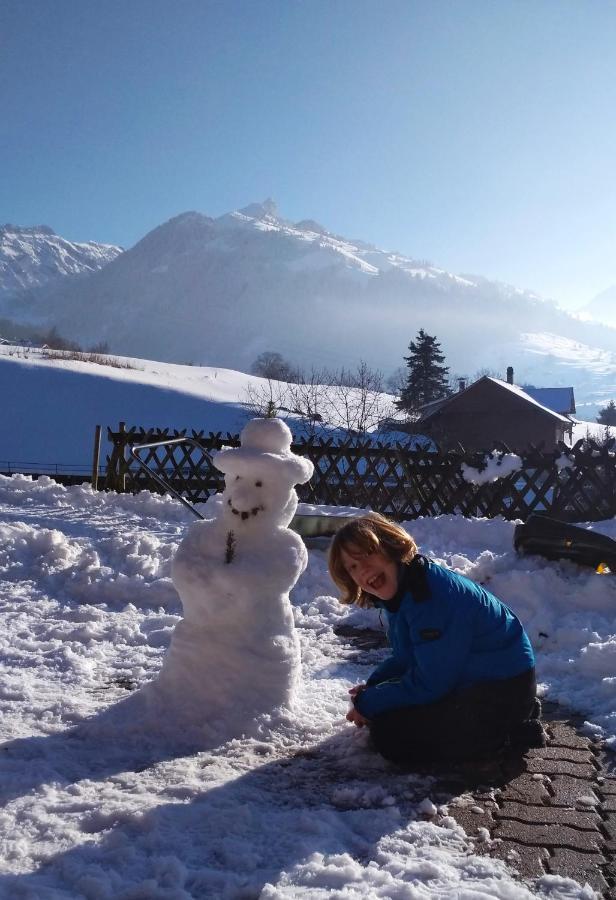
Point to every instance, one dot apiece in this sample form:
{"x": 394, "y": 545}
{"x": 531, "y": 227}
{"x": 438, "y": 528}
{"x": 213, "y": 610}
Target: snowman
{"x": 234, "y": 659}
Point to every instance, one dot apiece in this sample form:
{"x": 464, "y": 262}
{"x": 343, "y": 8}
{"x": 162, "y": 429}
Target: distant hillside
{"x": 602, "y": 307}
{"x": 50, "y": 408}
{"x": 220, "y": 291}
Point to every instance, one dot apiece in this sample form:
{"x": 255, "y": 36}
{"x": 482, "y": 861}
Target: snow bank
{"x": 303, "y": 809}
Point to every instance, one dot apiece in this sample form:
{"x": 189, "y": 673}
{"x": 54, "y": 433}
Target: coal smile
{"x": 244, "y": 514}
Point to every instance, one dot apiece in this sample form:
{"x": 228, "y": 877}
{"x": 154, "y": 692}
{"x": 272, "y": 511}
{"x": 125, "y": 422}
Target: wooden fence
{"x": 572, "y": 483}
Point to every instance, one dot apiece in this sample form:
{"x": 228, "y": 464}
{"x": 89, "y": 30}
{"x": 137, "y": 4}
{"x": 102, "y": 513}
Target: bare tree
{"x": 352, "y": 400}
{"x": 486, "y": 371}
{"x": 355, "y": 399}
{"x": 271, "y": 364}
{"x": 265, "y": 399}
{"x": 305, "y": 398}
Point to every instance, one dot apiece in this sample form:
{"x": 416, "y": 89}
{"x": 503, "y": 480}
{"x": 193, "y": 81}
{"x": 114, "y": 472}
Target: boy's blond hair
{"x": 372, "y": 533}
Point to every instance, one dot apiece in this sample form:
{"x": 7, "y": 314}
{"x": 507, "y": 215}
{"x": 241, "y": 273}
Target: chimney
{"x": 461, "y": 384}
{"x": 509, "y": 374}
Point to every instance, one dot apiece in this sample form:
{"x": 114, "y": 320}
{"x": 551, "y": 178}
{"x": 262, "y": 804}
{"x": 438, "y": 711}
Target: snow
{"x": 571, "y": 352}
{"x": 139, "y": 392}
{"x": 497, "y": 465}
{"x": 301, "y": 809}
{"x": 30, "y": 257}
{"x": 234, "y": 659}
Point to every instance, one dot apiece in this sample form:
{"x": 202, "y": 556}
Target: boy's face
{"x": 374, "y": 573}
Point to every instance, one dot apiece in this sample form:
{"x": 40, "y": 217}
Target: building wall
{"x": 485, "y": 414}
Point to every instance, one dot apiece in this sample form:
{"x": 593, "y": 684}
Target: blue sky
{"x": 480, "y": 134}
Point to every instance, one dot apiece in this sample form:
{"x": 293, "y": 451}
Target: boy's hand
{"x": 356, "y": 718}
{"x": 354, "y": 691}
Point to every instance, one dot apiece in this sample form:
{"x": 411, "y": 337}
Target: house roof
{"x": 431, "y": 409}
{"x": 560, "y": 399}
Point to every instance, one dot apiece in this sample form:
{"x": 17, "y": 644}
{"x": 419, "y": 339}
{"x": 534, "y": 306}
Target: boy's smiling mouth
{"x": 375, "y": 581}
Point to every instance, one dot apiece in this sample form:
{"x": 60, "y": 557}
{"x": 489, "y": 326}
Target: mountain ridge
{"x": 218, "y": 291}
{"x": 35, "y": 256}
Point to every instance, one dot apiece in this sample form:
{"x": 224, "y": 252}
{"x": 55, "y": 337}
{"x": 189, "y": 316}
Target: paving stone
{"x": 549, "y": 815}
{"x": 526, "y": 788}
{"x": 609, "y": 873}
{"x": 472, "y": 821}
{"x": 552, "y": 711}
{"x": 609, "y": 824}
{"x": 530, "y": 862}
{"x": 561, "y": 767}
{"x": 567, "y": 754}
{"x": 538, "y": 806}
{"x": 562, "y": 735}
{"x": 583, "y": 867}
{"x": 548, "y": 835}
{"x": 566, "y": 790}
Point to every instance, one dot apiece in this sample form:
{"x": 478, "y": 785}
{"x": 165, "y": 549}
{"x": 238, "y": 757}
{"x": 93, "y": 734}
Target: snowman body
{"x": 234, "y": 657}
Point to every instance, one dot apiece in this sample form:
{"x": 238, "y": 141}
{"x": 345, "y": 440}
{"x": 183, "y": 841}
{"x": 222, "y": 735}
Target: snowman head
{"x": 261, "y": 476}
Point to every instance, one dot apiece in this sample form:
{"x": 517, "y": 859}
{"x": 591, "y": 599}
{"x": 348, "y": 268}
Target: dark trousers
{"x": 469, "y": 723}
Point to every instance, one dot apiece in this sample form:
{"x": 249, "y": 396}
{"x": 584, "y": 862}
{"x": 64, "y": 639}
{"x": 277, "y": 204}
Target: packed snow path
{"x": 304, "y": 809}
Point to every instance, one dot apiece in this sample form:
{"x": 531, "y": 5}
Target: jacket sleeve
{"x": 441, "y": 633}
{"x": 389, "y": 668}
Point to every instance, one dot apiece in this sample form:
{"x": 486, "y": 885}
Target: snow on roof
{"x": 526, "y": 396}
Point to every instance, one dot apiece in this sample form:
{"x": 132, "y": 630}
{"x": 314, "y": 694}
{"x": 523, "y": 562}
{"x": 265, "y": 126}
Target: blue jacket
{"x": 446, "y": 632}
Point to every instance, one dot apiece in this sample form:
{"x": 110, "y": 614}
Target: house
{"x": 490, "y": 411}
{"x": 560, "y": 399}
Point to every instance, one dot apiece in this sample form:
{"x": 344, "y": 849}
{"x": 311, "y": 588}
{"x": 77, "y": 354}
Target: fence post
{"x": 96, "y": 457}
{"x": 121, "y": 488}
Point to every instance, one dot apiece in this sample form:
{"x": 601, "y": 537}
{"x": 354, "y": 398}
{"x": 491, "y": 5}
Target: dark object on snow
{"x": 553, "y": 539}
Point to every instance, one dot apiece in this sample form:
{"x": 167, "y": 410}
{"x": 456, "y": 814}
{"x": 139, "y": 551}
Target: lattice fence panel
{"x": 572, "y": 483}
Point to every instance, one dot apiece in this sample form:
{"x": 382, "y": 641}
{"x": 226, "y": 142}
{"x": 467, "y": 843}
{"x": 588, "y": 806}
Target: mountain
{"x": 37, "y": 257}
{"x": 219, "y": 291}
{"x": 602, "y": 308}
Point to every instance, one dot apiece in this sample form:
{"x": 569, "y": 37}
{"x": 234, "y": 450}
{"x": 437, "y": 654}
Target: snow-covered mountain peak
{"x": 186, "y": 219}
{"x": 267, "y": 209}
{"x": 32, "y": 256}
{"x": 312, "y": 226}
{"x": 9, "y": 228}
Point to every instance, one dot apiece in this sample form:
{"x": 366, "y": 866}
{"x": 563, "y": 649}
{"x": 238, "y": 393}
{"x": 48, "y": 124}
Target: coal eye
{"x": 258, "y": 484}
{"x": 237, "y": 477}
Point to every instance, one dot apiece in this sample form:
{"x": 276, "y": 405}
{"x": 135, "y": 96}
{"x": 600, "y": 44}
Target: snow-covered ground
{"x": 302, "y": 810}
{"x": 50, "y": 408}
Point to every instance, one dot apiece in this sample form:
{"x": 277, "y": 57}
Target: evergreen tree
{"x": 607, "y": 415}
{"x": 427, "y": 377}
